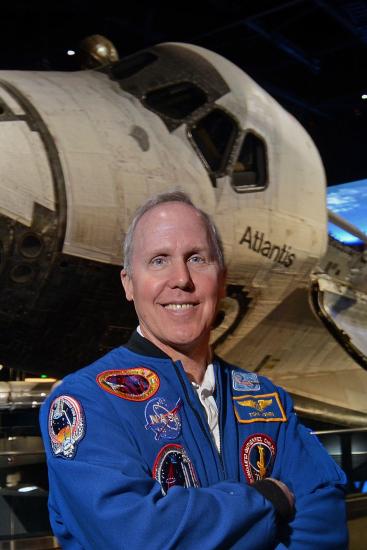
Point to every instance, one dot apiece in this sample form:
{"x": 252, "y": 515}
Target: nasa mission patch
{"x": 173, "y": 467}
{"x": 163, "y": 418}
{"x": 66, "y": 425}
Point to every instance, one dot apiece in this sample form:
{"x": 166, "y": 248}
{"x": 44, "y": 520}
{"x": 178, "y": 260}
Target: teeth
{"x": 178, "y": 306}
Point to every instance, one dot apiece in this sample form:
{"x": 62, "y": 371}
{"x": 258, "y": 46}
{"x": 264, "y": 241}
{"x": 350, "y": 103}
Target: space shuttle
{"x": 80, "y": 151}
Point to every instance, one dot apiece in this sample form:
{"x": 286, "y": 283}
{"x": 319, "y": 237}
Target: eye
{"x": 158, "y": 261}
{"x": 197, "y": 259}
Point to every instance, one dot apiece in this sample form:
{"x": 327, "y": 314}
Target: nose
{"x": 181, "y": 276}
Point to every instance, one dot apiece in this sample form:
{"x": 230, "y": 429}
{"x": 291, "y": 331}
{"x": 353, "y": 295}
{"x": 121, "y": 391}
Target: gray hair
{"x": 161, "y": 198}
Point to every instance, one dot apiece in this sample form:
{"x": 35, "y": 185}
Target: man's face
{"x": 176, "y": 283}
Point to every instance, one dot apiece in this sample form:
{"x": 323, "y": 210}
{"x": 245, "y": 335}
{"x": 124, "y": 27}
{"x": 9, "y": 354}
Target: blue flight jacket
{"x": 132, "y": 463}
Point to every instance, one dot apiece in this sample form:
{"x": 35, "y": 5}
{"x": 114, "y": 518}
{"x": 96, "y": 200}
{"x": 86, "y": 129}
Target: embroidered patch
{"x": 245, "y": 381}
{"x": 66, "y": 425}
{"x": 259, "y": 408}
{"x": 163, "y": 419}
{"x": 173, "y": 467}
{"x": 257, "y": 457}
{"x": 137, "y": 384}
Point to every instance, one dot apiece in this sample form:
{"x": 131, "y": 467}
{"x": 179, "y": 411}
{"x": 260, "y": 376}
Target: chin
{"x": 186, "y": 342}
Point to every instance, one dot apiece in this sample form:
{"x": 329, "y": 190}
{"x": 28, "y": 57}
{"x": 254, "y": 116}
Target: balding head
{"x": 174, "y": 196}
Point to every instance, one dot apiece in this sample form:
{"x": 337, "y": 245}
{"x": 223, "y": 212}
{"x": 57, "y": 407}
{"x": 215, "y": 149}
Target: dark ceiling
{"x": 311, "y": 55}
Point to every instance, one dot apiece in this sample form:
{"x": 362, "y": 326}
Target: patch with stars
{"x": 257, "y": 457}
{"x": 136, "y": 384}
{"x": 173, "y": 467}
{"x": 66, "y": 426}
{"x": 245, "y": 381}
{"x": 163, "y": 418}
{"x": 259, "y": 408}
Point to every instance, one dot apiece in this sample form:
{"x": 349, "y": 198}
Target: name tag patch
{"x": 137, "y": 384}
{"x": 162, "y": 418}
{"x": 245, "y": 381}
{"x": 259, "y": 408}
{"x": 257, "y": 457}
{"x": 173, "y": 467}
{"x": 66, "y": 426}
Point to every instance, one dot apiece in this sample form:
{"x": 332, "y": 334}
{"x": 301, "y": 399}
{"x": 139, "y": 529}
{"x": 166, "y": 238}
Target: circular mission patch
{"x": 173, "y": 467}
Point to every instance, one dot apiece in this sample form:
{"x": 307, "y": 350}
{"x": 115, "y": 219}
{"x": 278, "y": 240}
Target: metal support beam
{"x": 344, "y": 224}
{"x": 360, "y": 32}
{"x": 285, "y": 45}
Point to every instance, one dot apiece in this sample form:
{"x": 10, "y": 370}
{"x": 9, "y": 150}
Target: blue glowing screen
{"x": 348, "y": 200}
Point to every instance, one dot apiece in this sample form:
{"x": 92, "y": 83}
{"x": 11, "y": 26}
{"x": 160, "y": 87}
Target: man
{"x": 160, "y": 445}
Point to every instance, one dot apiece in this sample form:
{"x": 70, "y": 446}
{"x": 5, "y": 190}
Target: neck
{"x": 194, "y": 358}
{"x": 194, "y": 363}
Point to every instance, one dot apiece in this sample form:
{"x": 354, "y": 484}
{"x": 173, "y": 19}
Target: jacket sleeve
{"x": 318, "y": 485}
{"x": 105, "y": 496}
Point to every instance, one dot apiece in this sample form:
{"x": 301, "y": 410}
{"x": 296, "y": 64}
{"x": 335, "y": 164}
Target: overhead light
{"x": 27, "y": 489}
{"x": 364, "y": 96}
{"x": 40, "y": 379}
{"x": 71, "y": 52}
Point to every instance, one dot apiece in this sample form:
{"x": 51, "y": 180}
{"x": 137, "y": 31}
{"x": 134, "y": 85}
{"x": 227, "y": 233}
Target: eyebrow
{"x": 164, "y": 251}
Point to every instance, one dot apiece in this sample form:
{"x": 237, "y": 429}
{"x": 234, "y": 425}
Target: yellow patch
{"x": 259, "y": 408}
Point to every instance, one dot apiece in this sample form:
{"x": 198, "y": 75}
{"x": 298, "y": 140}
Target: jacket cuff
{"x": 271, "y": 491}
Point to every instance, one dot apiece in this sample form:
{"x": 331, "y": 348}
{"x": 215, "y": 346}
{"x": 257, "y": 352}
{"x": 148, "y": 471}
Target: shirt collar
{"x": 208, "y": 383}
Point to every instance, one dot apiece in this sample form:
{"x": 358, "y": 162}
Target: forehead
{"x": 171, "y": 223}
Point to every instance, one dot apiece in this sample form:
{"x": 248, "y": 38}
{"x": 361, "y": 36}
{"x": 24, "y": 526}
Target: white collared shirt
{"x": 205, "y": 392}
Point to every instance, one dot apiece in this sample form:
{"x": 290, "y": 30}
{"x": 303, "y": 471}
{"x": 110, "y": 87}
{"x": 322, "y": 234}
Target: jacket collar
{"x": 142, "y": 346}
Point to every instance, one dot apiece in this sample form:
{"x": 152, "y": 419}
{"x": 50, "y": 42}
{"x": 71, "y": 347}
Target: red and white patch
{"x": 257, "y": 457}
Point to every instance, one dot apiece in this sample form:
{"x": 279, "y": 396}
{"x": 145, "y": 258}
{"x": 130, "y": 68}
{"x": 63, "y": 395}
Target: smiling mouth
{"x": 177, "y": 307}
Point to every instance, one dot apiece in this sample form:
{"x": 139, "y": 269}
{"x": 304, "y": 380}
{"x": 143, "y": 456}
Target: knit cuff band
{"x": 275, "y": 494}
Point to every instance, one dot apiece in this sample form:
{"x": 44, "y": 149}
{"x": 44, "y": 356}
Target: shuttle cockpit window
{"x": 214, "y": 136}
{"x": 250, "y": 169}
{"x": 177, "y": 100}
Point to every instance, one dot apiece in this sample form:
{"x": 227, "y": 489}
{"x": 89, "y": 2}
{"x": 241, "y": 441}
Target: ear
{"x": 128, "y": 285}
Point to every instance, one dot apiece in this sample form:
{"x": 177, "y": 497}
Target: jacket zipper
{"x": 205, "y": 429}
{"x": 220, "y": 419}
